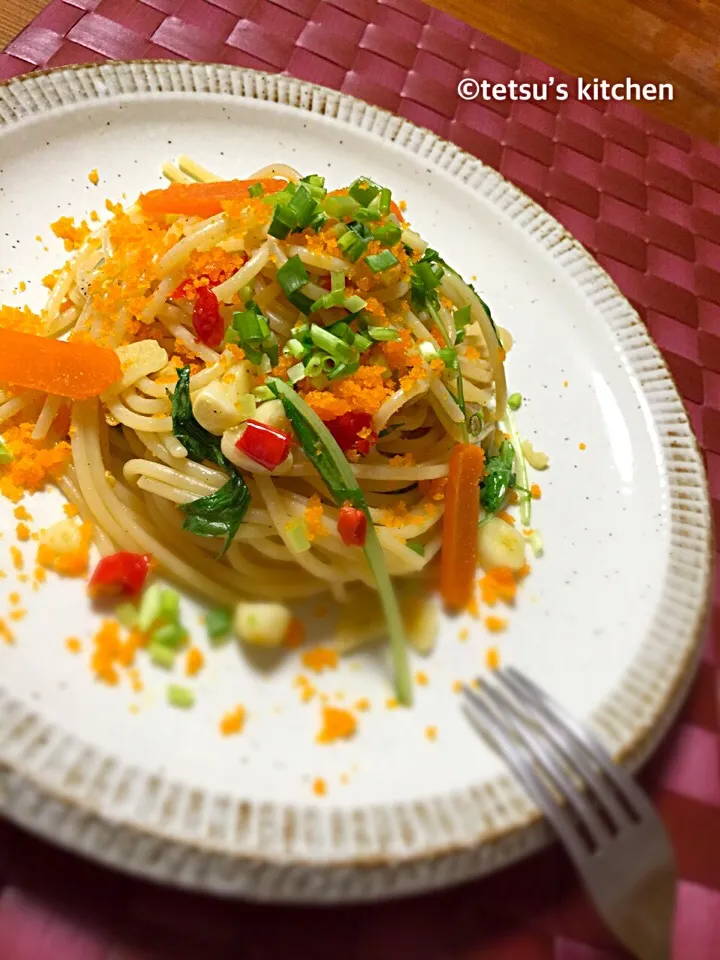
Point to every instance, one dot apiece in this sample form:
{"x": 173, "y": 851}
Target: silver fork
{"x": 603, "y": 819}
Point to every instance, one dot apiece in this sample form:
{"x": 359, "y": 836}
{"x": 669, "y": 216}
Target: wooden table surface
{"x": 650, "y": 41}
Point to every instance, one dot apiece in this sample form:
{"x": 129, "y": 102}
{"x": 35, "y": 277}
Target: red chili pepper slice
{"x": 208, "y": 323}
{"x": 264, "y": 445}
{"x": 352, "y": 525}
{"x": 347, "y": 429}
{"x": 120, "y": 572}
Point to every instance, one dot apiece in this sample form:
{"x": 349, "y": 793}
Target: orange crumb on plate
{"x": 492, "y": 658}
{"x": 73, "y": 645}
{"x": 363, "y": 704}
{"x": 17, "y": 558}
{"x": 582, "y": 446}
{"x": 94, "y": 177}
{"x": 337, "y": 724}
{"x": 14, "y": 598}
{"x": 6, "y": 633}
{"x": 535, "y": 491}
{"x": 431, "y": 733}
{"x": 22, "y": 532}
{"x": 391, "y": 703}
{"x": 421, "y": 678}
{"x": 319, "y": 787}
{"x": 70, "y": 510}
{"x": 319, "y": 658}
{"x": 457, "y": 686}
{"x": 18, "y": 614}
{"x": 194, "y": 661}
{"x": 507, "y": 517}
{"x": 463, "y": 634}
{"x": 233, "y": 721}
{"x": 20, "y": 513}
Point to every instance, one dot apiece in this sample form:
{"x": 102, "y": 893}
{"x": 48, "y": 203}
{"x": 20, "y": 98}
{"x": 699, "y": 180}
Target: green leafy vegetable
{"x": 199, "y": 442}
{"x": 499, "y": 478}
{"x": 220, "y": 513}
{"x": 322, "y": 450}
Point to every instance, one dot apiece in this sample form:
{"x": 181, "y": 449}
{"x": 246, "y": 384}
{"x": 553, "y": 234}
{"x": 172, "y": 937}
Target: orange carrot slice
{"x": 78, "y": 370}
{"x": 202, "y": 199}
{"x": 462, "y": 510}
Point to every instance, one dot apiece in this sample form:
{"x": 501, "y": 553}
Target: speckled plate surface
{"x": 609, "y": 621}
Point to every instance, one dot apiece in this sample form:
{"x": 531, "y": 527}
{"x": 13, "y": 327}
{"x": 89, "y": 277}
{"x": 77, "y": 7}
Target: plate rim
{"x": 442, "y": 855}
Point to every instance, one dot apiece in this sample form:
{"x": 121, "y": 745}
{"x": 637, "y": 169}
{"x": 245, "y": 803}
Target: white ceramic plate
{"x": 609, "y": 620}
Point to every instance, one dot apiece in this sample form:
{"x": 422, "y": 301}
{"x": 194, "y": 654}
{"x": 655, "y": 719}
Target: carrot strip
{"x": 202, "y": 199}
{"x": 462, "y": 510}
{"x": 78, "y": 369}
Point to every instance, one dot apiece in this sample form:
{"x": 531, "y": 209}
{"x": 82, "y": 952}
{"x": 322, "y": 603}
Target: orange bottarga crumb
{"x": 194, "y": 661}
{"x": 433, "y": 489}
{"x": 364, "y": 391}
{"x": 70, "y": 233}
{"x": 107, "y": 648}
{"x": 295, "y": 634}
{"x": 22, "y": 532}
{"x": 431, "y": 733}
{"x": 18, "y": 614}
{"x": 457, "y": 686}
{"x": 363, "y": 704}
{"x": 307, "y": 690}
{"x": 136, "y": 680}
{"x": 39, "y": 575}
{"x": 337, "y": 724}
{"x": 421, "y": 678}
{"x": 94, "y": 177}
{"x": 319, "y": 787}
{"x": 391, "y": 703}
{"x": 535, "y": 491}
{"x": 17, "y": 558}
{"x": 313, "y": 518}
{"x": 33, "y": 463}
{"x": 473, "y": 608}
{"x": 463, "y": 634}
{"x": 14, "y": 598}
{"x": 492, "y": 658}
{"x": 320, "y": 658}
{"x": 582, "y": 446}
{"x": 20, "y": 513}
{"x": 498, "y": 584}
{"x": 21, "y": 319}
{"x": 70, "y": 510}
{"x": 73, "y": 564}
{"x": 233, "y": 721}
{"x": 73, "y": 645}
{"x": 402, "y": 460}
{"x": 6, "y": 633}
{"x": 507, "y": 517}
{"x": 495, "y": 624}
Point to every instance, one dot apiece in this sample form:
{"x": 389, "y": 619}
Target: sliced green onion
{"x": 384, "y": 204}
{"x": 296, "y": 532}
{"x": 362, "y": 343}
{"x": 292, "y": 275}
{"x": 161, "y": 656}
{"x": 296, "y": 373}
{"x": 449, "y": 357}
{"x": 389, "y": 233}
{"x": 127, "y": 615}
{"x": 169, "y": 635}
{"x": 337, "y": 281}
{"x": 313, "y": 367}
{"x": 337, "y": 348}
{"x": 343, "y": 370}
{"x": 218, "y": 622}
{"x": 342, "y": 330}
{"x": 367, "y": 214}
{"x": 170, "y": 605}
{"x": 341, "y": 206}
{"x": 354, "y": 242}
{"x": 383, "y": 333}
{"x": 354, "y": 304}
{"x": 418, "y": 548}
{"x": 377, "y": 262}
{"x": 150, "y": 607}
{"x": 514, "y": 401}
{"x": 328, "y": 363}
{"x": 475, "y": 423}
{"x": 328, "y": 300}
{"x": 181, "y": 697}
{"x": 263, "y": 393}
{"x": 5, "y": 455}
{"x": 316, "y": 185}
{"x": 364, "y": 190}
{"x": 295, "y": 348}
{"x": 250, "y": 325}
{"x": 459, "y": 337}
{"x": 256, "y": 190}
{"x": 427, "y": 349}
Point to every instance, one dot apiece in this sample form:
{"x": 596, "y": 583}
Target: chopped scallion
{"x": 127, "y": 614}
{"x": 263, "y": 393}
{"x": 364, "y": 190}
{"x": 250, "y": 325}
{"x": 514, "y": 401}
{"x": 5, "y": 455}
{"x": 461, "y": 317}
{"x": 218, "y": 622}
{"x": 180, "y": 697}
{"x": 475, "y": 423}
{"x": 354, "y": 304}
{"x": 449, "y": 357}
{"x": 313, "y": 368}
{"x": 328, "y": 300}
{"x": 341, "y": 206}
{"x": 169, "y": 635}
{"x": 256, "y": 190}
{"x": 296, "y": 373}
{"x": 161, "y": 656}
{"x": 170, "y": 605}
{"x": 295, "y": 348}
{"x": 337, "y": 281}
{"x": 377, "y": 262}
{"x": 384, "y": 204}
{"x": 150, "y": 607}
{"x": 389, "y": 234}
{"x": 291, "y": 276}
{"x": 362, "y": 343}
{"x": 383, "y": 333}
{"x": 337, "y": 348}
{"x": 296, "y": 532}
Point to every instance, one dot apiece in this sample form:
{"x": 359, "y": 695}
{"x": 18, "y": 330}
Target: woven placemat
{"x": 645, "y": 199}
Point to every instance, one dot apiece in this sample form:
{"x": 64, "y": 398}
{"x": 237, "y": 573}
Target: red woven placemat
{"x": 645, "y": 199}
